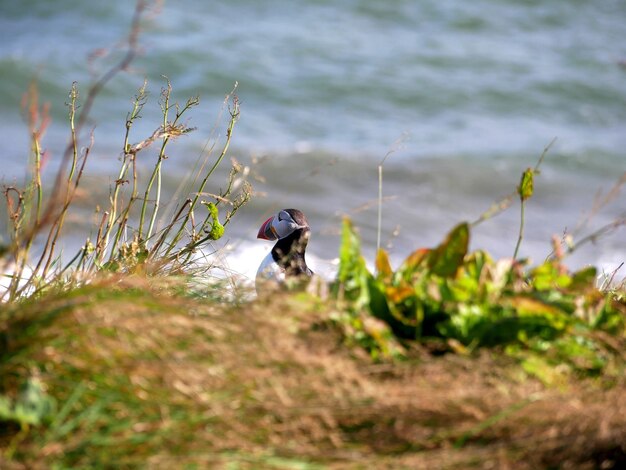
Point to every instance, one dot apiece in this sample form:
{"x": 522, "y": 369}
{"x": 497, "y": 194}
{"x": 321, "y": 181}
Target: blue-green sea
{"x": 461, "y": 96}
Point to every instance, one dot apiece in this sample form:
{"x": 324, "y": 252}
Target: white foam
{"x": 243, "y": 258}
{"x": 7, "y": 272}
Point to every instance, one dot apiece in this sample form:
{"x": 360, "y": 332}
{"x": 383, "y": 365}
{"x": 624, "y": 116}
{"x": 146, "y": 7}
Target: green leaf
{"x": 446, "y": 259}
{"x": 526, "y": 185}
{"x": 400, "y": 293}
{"x": 475, "y": 262}
{"x": 350, "y": 261}
{"x": 383, "y": 266}
{"x": 528, "y": 306}
{"x": 541, "y": 368}
{"x": 584, "y": 280}
{"x": 464, "y": 289}
{"x": 352, "y": 276}
{"x": 415, "y": 262}
{"x": 549, "y": 276}
{"x": 6, "y": 408}
{"x": 32, "y": 406}
{"x": 217, "y": 229}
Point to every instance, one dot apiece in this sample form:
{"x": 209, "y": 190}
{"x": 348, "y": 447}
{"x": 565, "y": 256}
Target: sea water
{"x": 460, "y": 96}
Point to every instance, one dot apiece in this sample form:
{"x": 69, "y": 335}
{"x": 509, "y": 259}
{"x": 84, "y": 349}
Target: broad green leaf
{"x": 466, "y": 324}
{"x": 415, "y": 258}
{"x": 527, "y": 306}
{"x": 395, "y": 316}
{"x": 584, "y": 280}
{"x": 475, "y": 262}
{"x": 351, "y": 262}
{"x": 446, "y": 259}
{"x": 550, "y": 275}
{"x": 32, "y": 406}
{"x": 413, "y": 262}
{"x": 463, "y": 289}
{"x": 6, "y": 408}
{"x": 400, "y": 293}
{"x": 353, "y": 278}
{"x": 409, "y": 314}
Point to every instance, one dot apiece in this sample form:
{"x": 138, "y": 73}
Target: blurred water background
{"x": 465, "y": 94}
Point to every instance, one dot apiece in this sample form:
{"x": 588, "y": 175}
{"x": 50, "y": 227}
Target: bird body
{"x": 287, "y": 258}
{"x": 270, "y": 271}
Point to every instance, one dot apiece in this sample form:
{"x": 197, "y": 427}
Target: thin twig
{"x": 602, "y": 231}
{"x": 394, "y": 148}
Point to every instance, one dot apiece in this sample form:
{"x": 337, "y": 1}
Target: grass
{"x": 141, "y": 375}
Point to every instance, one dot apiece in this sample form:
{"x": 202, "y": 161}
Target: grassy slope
{"x": 143, "y": 376}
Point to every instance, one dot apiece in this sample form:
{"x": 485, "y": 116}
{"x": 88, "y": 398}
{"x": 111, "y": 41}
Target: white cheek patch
{"x": 285, "y": 227}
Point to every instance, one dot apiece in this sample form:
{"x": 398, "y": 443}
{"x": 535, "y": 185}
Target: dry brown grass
{"x": 163, "y": 381}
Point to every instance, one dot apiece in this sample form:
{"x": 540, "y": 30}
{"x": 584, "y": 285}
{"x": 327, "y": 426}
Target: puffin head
{"x": 283, "y": 224}
{"x": 287, "y": 258}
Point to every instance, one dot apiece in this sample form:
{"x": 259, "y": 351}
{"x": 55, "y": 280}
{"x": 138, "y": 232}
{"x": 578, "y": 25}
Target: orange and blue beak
{"x": 267, "y": 231}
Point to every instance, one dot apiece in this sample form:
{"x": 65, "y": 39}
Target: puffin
{"x": 286, "y": 260}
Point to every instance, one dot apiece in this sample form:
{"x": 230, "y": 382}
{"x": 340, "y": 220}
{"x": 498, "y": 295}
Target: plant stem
{"x": 158, "y": 189}
{"x": 396, "y": 145}
{"x": 234, "y": 115}
{"x": 69, "y": 194}
{"x": 156, "y": 173}
{"x": 380, "y": 206}
{"x": 102, "y": 244}
{"x": 166, "y": 230}
{"x": 521, "y": 230}
{"x": 37, "y": 175}
{"x": 124, "y": 217}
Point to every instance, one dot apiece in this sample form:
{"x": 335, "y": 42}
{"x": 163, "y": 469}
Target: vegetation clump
{"x": 130, "y": 235}
{"x": 469, "y": 300}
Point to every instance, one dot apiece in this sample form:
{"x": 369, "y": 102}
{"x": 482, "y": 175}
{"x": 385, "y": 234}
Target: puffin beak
{"x": 267, "y": 232}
